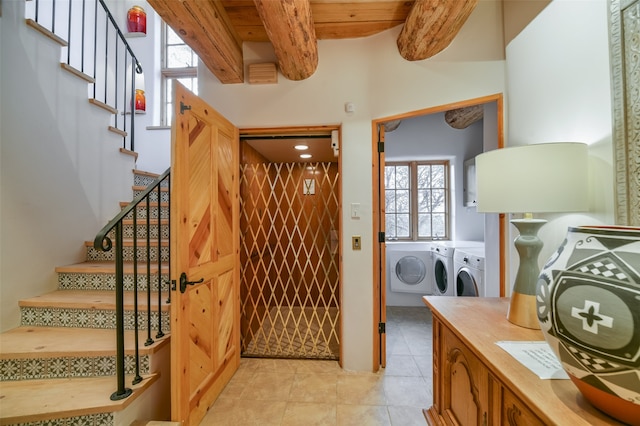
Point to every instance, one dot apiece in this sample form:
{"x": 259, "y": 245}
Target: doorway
{"x": 289, "y": 247}
{"x": 495, "y": 233}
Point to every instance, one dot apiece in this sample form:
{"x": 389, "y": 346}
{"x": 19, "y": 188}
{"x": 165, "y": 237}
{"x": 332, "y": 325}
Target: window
{"x": 417, "y": 200}
{"x": 180, "y": 63}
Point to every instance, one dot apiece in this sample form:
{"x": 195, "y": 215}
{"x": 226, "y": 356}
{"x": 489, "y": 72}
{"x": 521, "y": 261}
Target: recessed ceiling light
{"x": 301, "y": 147}
{"x": 305, "y": 155}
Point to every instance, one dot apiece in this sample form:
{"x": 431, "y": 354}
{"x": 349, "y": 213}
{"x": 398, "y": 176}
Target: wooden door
{"x": 205, "y": 313}
{"x": 383, "y": 258}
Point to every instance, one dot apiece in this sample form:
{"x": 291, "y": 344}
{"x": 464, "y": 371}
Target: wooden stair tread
{"x": 145, "y": 173}
{"x": 155, "y": 423}
{"x": 37, "y": 400}
{"x": 92, "y": 299}
{"x": 109, "y": 267}
{"x": 47, "y": 342}
{"x": 142, "y": 188}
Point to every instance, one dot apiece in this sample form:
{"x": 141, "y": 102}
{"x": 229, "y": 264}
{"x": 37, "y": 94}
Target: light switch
{"x": 355, "y": 210}
{"x": 356, "y": 242}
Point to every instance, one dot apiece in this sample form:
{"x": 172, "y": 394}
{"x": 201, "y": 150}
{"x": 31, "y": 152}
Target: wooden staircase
{"x": 58, "y": 366}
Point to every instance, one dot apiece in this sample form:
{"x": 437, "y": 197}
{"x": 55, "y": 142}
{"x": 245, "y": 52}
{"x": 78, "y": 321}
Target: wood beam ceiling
{"x": 290, "y": 28}
{"x": 431, "y": 26}
{"x": 205, "y": 26}
{"x": 216, "y": 29}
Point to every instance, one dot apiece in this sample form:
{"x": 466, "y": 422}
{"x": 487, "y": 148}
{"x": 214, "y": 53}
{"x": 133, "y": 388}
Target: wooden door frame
{"x": 302, "y": 131}
{"x": 379, "y": 268}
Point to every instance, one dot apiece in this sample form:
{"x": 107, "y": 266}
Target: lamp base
{"x": 522, "y": 311}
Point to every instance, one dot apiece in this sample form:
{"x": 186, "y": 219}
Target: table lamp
{"x": 538, "y": 178}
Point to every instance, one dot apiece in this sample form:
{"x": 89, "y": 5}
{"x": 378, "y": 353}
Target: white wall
{"x": 428, "y": 137}
{"x": 152, "y": 144}
{"x": 370, "y": 73}
{"x": 61, "y": 171}
{"x": 559, "y": 90}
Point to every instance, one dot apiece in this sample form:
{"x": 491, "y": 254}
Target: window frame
{"x": 168, "y": 74}
{"x": 413, "y": 198}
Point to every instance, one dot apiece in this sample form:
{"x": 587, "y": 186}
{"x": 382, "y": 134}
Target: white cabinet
{"x": 469, "y": 184}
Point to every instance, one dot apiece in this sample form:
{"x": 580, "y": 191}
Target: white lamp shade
{"x": 547, "y": 177}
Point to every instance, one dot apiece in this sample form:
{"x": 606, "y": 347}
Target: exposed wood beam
{"x": 462, "y": 118}
{"x": 206, "y": 28}
{"x": 290, "y": 28}
{"x": 431, "y": 26}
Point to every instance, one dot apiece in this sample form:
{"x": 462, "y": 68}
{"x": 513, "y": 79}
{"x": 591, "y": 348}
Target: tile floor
{"x": 308, "y": 392}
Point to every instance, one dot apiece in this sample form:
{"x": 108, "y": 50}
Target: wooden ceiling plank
{"x": 360, "y": 11}
{"x": 431, "y": 26}
{"x": 290, "y": 27}
{"x": 327, "y": 31}
{"x": 205, "y": 27}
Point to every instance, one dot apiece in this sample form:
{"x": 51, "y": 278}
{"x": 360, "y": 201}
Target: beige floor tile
{"x": 406, "y": 416}
{"x": 317, "y": 366}
{"x": 361, "y": 415}
{"x": 318, "y": 392}
{"x": 314, "y": 388}
{"x": 407, "y": 391}
{"x": 234, "y": 388}
{"x": 309, "y": 414}
{"x": 268, "y": 386}
{"x": 228, "y": 412}
{"x": 361, "y": 390}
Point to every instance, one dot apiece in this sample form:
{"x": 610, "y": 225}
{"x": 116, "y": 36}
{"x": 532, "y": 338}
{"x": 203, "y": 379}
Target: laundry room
{"x": 430, "y": 211}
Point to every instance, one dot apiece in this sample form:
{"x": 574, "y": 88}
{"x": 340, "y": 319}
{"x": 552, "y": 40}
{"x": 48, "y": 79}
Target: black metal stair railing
{"x": 97, "y": 49}
{"x": 103, "y": 242}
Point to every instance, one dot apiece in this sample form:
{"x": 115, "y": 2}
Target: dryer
{"x": 444, "y": 271}
{"x": 468, "y": 263}
{"x": 410, "y": 271}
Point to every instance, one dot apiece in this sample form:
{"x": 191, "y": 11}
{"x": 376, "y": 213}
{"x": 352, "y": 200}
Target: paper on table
{"x": 537, "y": 356}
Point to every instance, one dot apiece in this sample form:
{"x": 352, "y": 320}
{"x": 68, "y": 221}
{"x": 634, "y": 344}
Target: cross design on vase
{"x": 591, "y": 317}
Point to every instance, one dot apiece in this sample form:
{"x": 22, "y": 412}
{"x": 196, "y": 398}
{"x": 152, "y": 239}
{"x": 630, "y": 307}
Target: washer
{"x": 410, "y": 271}
{"x": 468, "y": 263}
{"x": 444, "y": 271}
{"x": 443, "y": 275}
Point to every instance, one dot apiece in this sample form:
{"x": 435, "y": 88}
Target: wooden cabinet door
{"x": 465, "y": 399}
{"x": 205, "y": 312}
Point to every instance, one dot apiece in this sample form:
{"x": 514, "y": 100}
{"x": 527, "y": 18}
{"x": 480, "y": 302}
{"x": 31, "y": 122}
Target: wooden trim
{"x": 376, "y": 214}
{"x": 340, "y": 251}
{"x": 292, "y": 130}
{"x": 453, "y": 105}
{"x": 502, "y": 222}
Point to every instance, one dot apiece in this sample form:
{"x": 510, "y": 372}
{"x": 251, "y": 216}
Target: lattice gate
{"x": 289, "y": 223}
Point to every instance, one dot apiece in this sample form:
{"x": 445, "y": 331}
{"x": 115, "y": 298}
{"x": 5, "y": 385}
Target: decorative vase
{"x": 137, "y": 20}
{"x": 140, "y": 101}
{"x": 588, "y": 305}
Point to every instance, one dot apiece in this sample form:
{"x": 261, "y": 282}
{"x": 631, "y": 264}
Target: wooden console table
{"x": 475, "y": 382}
